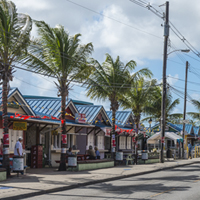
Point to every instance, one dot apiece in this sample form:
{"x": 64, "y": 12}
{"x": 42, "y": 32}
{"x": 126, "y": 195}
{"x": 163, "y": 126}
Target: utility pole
{"x": 185, "y": 100}
{"x": 166, "y": 35}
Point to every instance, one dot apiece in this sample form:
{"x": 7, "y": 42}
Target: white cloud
{"x": 171, "y": 80}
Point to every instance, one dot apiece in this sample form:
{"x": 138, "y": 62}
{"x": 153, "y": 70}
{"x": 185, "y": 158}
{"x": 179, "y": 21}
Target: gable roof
{"x": 14, "y": 92}
{"x": 188, "y": 127}
{"x": 196, "y": 130}
{"x": 92, "y": 111}
{"x": 48, "y": 106}
{"x": 121, "y": 117}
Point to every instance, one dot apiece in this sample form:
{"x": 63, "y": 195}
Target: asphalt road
{"x": 174, "y": 184}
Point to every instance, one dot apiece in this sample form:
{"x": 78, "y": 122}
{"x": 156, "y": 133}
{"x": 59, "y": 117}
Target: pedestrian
{"x": 18, "y": 151}
{"x": 97, "y": 153}
{"x": 91, "y": 153}
{"x": 190, "y": 150}
{"x": 69, "y": 152}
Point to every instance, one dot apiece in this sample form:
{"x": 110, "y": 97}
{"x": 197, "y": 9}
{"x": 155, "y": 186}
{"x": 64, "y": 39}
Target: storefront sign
{"x": 20, "y": 126}
{"x": 80, "y": 118}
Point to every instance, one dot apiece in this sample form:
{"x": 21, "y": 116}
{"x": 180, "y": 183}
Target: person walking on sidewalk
{"x": 189, "y": 150}
{"x": 18, "y": 147}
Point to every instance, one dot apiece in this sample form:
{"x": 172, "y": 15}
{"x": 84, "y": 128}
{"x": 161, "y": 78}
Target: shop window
{"x": 91, "y": 139}
{"x": 122, "y": 142}
{"x": 100, "y": 142}
{"x": 71, "y": 140}
{"x": 128, "y": 142}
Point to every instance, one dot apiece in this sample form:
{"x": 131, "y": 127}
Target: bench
{"x": 129, "y": 158}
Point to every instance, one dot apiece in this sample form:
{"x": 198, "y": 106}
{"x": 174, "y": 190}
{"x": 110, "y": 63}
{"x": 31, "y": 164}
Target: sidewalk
{"x": 46, "y": 180}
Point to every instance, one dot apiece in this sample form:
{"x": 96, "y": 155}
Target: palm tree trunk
{"x": 113, "y": 129}
{"x": 62, "y": 166}
{"x": 6, "y": 161}
{"x": 136, "y": 138}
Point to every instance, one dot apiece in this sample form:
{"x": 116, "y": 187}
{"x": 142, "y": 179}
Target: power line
{"x": 79, "y": 81}
{"x": 196, "y": 83}
{"x": 34, "y": 85}
{"x": 113, "y": 19}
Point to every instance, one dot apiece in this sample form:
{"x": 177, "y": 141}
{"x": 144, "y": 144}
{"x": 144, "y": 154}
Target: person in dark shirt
{"x": 91, "y": 153}
{"x": 69, "y": 152}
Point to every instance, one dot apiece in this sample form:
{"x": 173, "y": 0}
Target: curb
{"x": 42, "y": 192}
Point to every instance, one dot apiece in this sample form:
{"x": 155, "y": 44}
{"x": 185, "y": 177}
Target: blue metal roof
{"x": 46, "y": 106}
{"x": 196, "y": 130}
{"x": 21, "y": 100}
{"x": 120, "y": 118}
{"x": 12, "y": 90}
{"x": 188, "y": 127}
{"x": 77, "y": 102}
{"x": 91, "y": 112}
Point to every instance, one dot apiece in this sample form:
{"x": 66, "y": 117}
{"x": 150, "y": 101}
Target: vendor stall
{"x": 171, "y": 139}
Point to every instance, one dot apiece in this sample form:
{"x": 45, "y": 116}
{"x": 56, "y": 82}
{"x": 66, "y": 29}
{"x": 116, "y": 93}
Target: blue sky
{"x": 126, "y": 39}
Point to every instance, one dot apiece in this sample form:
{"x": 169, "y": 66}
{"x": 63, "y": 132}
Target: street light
{"x": 165, "y": 55}
{"x": 182, "y": 50}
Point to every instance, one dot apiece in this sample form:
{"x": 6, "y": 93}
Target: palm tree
{"x": 62, "y": 56}
{"x": 137, "y": 98}
{"x": 111, "y": 80}
{"x": 154, "y": 109}
{"x": 15, "y": 31}
{"x": 195, "y": 115}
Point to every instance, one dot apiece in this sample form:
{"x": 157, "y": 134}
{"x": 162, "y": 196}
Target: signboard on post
{"x": 113, "y": 141}
{"x": 20, "y": 126}
{"x": 80, "y": 118}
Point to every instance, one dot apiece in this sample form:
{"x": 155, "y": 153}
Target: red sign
{"x": 80, "y": 118}
{"x": 108, "y": 132}
{"x": 6, "y": 139}
{"x": 163, "y": 140}
{"x": 133, "y": 140}
{"x": 113, "y": 141}
{"x": 64, "y": 139}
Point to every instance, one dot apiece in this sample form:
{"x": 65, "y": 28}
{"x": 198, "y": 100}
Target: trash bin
{"x": 18, "y": 163}
{"x": 119, "y": 156}
{"x": 72, "y": 160}
{"x": 144, "y": 155}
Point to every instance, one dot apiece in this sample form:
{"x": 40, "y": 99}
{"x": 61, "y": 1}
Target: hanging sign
{"x": 80, "y": 118}
{"x": 6, "y": 139}
{"x": 64, "y": 139}
{"x": 20, "y": 126}
{"x": 54, "y": 132}
{"x": 113, "y": 141}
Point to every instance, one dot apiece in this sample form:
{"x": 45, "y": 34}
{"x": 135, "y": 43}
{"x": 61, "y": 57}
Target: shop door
{"x": 81, "y": 143}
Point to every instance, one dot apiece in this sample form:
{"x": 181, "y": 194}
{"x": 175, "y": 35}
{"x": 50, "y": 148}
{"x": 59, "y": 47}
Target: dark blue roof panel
{"x": 121, "y": 117}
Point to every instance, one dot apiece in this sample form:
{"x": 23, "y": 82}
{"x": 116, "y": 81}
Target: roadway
{"x": 174, "y": 184}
